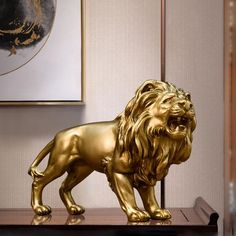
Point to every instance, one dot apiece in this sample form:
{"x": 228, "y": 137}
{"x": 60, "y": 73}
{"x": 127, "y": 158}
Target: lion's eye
{"x": 167, "y": 99}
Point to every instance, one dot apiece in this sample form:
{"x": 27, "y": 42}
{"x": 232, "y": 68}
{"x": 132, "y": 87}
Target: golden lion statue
{"x": 135, "y": 150}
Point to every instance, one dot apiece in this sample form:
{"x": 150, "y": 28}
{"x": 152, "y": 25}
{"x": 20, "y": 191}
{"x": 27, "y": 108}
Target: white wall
{"x": 122, "y": 50}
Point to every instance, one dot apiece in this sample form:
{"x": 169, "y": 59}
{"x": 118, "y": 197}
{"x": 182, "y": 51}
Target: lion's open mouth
{"x": 177, "y": 124}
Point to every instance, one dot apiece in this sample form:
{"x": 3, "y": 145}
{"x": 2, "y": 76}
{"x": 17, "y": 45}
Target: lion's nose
{"x": 185, "y": 104}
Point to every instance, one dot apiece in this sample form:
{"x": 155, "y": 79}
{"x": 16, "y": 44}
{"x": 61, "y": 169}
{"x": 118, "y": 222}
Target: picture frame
{"x": 46, "y": 79}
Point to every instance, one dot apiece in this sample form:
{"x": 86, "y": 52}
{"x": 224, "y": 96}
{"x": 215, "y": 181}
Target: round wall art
{"x": 24, "y": 29}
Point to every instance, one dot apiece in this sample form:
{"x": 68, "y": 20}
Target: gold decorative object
{"x": 135, "y": 150}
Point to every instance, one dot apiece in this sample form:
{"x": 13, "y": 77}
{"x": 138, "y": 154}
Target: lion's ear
{"x": 188, "y": 96}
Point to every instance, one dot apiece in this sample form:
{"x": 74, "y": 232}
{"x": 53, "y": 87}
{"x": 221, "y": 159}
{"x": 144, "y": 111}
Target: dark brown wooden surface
{"x": 100, "y": 221}
{"x": 198, "y": 220}
{"x": 96, "y": 216}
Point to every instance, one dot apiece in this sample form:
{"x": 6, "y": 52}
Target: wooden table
{"x": 199, "y": 220}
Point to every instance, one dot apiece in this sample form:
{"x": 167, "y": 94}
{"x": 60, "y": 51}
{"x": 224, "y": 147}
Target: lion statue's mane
{"x": 151, "y": 148}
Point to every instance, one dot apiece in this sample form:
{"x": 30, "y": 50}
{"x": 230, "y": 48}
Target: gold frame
{"x": 62, "y": 103}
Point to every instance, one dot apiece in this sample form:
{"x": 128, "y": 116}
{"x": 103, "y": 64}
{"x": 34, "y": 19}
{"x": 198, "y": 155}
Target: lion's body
{"x": 89, "y": 143}
{"x": 134, "y": 151}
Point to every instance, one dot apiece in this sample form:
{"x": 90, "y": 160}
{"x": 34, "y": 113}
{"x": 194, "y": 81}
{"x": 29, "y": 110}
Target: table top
{"x": 101, "y": 221}
{"x": 95, "y": 216}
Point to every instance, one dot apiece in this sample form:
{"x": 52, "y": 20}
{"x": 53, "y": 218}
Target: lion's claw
{"x": 161, "y": 214}
{"x": 139, "y": 216}
{"x": 42, "y": 210}
{"x": 76, "y": 210}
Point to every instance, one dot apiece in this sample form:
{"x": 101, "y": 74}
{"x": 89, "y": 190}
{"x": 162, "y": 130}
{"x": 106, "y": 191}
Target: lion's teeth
{"x": 172, "y": 126}
{"x": 181, "y": 127}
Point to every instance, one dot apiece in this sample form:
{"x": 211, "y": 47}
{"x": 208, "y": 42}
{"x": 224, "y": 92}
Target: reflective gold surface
{"x": 134, "y": 151}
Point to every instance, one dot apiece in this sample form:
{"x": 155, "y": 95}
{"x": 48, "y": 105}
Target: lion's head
{"x": 156, "y": 129}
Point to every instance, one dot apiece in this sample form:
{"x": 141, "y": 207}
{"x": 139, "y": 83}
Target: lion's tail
{"x": 33, "y": 168}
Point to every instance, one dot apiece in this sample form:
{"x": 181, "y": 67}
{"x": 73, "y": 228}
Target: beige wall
{"x": 195, "y": 62}
{"x": 123, "y": 49}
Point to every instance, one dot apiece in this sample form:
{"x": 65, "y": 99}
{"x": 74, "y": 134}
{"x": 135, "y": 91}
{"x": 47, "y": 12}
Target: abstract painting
{"x": 24, "y": 29}
{"x": 41, "y": 52}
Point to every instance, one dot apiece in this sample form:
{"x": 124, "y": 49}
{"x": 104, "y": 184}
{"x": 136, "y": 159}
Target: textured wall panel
{"x": 195, "y": 62}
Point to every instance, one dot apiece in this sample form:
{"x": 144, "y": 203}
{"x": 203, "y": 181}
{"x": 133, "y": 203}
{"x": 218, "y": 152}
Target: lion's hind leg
{"x": 52, "y": 172}
{"x": 78, "y": 171}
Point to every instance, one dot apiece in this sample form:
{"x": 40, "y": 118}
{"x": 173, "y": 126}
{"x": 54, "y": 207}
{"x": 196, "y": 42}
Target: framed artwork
{"x": 42, "y": 52}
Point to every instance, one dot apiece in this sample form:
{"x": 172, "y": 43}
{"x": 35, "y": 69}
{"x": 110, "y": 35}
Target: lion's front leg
{"x": 147, "y": 194}
{"x": 121, "y": 185}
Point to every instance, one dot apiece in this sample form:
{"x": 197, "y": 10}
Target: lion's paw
{"x": 76, "y": 210}
{"x": 42, "y": 210}
{"x": 161, "y": 214}
{"x": 138, "y": 216}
